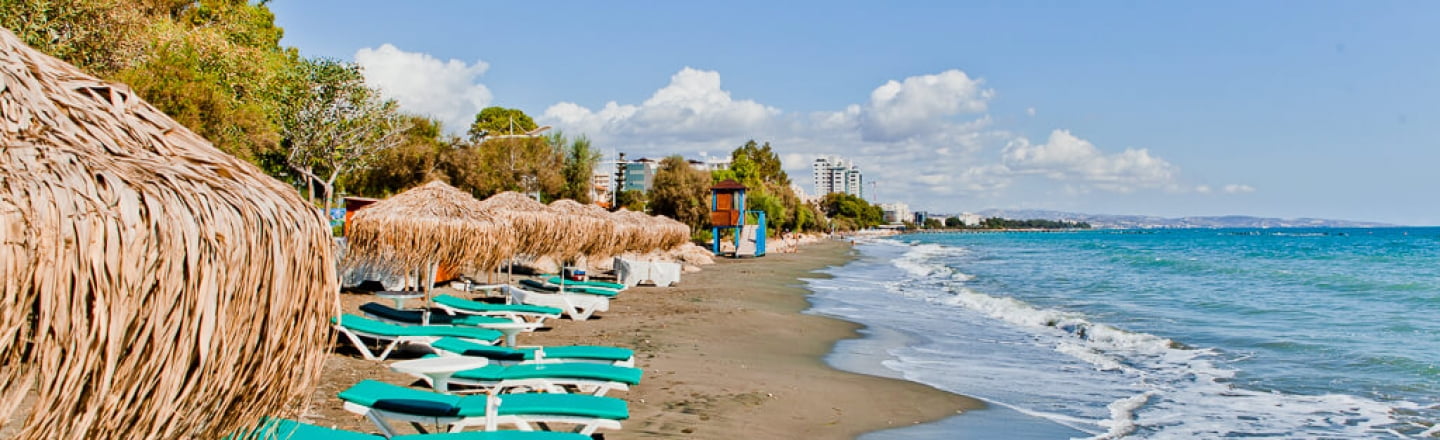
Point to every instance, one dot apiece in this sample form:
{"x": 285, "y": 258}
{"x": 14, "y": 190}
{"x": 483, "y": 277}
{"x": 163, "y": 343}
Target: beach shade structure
{"x": 594, "y": 232}
{"x": 672, "y": 233}
{"x": 430, "y": 226}
{"x": 154, "y": 287}
{"x": 636, "y": 228}
{"x": 538, "y": 231}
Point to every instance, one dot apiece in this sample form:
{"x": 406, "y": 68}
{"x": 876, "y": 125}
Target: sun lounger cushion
{"x": 481, "y": 307}
{"x": 285, "y": 429}
{"x": 367, "y": 325}
{"x": 575, "y": 370}
{"x": 600, "y": 284}
{"x": 568, "y": 289}
{"x": 384, "y": 396}
{"x": 417, "y": 316}
{"x": 593, "y": 352}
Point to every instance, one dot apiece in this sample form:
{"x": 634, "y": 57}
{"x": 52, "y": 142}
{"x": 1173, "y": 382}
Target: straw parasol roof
{"x": 538, "y": 231}
{"x": 147, "y": 275}
{"x": 670, "y": 232}
{"x": 431, "y": 223}
{"x": 596, "y": 233}
{"x": 635, "y": 226}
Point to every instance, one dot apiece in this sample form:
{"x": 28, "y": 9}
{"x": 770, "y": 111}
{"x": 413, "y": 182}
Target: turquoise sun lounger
{"x": 556, "y": 280}
{"x": 541, "y": 286}
{"x": 588, "y": 378}
{"x": 354, "y": 327}
{"x": 382, "y": 403}
{"x": 622, "y": 357}
{"x": 285, "y": 429}
{"x": 516, "y": 312}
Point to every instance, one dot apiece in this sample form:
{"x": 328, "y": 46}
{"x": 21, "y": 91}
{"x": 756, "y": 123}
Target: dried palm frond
{"x": 594, "y": 233}
{"x": 154, "y": 286}
{"x": 431, "y": 223}
{"x": 538, "y": 231}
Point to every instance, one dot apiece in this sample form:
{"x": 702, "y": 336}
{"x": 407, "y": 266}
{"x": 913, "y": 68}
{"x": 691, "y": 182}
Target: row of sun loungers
{"x": 506, "y": 390}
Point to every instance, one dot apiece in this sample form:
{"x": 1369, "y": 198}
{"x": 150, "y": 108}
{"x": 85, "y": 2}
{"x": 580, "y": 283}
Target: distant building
{"x": 834, "y": 174}
{"x": 804, "y": 196}
{"x": 921, "y": 217}
{"x": 970, "y": 219}
{"x": 638, "y": 175}
{"x": 711, "y": 163}
{"x": 896, "y": 212}
{"x": 601, "y": 183}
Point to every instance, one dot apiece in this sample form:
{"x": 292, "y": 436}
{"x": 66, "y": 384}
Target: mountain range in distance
{"x": 1105, "y": 221}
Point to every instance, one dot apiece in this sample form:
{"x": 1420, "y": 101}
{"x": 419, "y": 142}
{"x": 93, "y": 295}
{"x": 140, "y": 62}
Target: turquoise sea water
{"x": 1291, "y": 333}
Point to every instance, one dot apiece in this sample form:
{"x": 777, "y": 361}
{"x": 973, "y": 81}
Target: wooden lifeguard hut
{"x": 727, "y": 211}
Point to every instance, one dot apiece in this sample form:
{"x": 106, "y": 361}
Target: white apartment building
{"x": 834, "y": 174}
{"x": 896, "y": 212}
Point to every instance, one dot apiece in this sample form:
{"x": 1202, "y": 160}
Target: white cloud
{"x": 1202, "y": 189}
{"x": 1030, "y": 111}
{"x": 1066, "y": 157}
{"x": 920, "y": 104}
{"x": 692, "y": 107}
{"x": 446, "y": 90}
{"x": 1238, "y": 189}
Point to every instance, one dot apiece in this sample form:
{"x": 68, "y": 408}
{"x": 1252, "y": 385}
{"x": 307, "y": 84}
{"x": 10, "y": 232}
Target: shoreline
{"x": 728, "y": 352}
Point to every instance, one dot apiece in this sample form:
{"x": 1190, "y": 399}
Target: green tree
{"x": 633, "y": 200}
{"x": 681, "y": 192}
{"x": 933, "y": 223}
{"x": 580, "y": 161}
{"x": 414, "y": 162}
{"x": 954, "y": 222}
{"x": 500, "y": 121}
{"x": 524, "y": 164}
{"x": 335, "y": 125}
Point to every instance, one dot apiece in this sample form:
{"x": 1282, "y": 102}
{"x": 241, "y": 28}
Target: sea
{"x": 1164, "y": 334}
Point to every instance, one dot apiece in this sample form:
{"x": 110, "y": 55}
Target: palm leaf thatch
{"x": 429, "y": 224}
{"x": 538, "y": 230}
{"x": 647, "y": 233}
{"x": 671, "y": 233}
{"x": 154, "y": 286}
{"x": 594, "y": 233}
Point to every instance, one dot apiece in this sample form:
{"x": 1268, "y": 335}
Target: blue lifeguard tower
{"x": 727, "y": 211}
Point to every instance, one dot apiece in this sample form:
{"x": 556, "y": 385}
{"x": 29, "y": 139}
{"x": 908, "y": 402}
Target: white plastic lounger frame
{"x": 395, "y": 341}
{"x": 555, "y": 385}
{"x": 578, "y": 306}
{"x": 490, "y": 422}
{"x": 527, "y": 317}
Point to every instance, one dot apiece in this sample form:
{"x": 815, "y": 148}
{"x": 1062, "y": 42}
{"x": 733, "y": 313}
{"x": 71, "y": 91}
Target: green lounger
{"x": 560, "y": 377}
{"x": 285, "y": 429}
{"x": 601, "y": 284}
{"x": 541, "y": 286}
{"x": 415, "y": 317}
{"x": 617, "y": 356}
{"x": 354, "y": 327}
{"x": 382, "y": 402}
{"x": 516, "y": 312}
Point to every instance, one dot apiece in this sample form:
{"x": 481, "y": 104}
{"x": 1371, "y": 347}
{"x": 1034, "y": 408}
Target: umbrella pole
{"x": 429, "y": 284}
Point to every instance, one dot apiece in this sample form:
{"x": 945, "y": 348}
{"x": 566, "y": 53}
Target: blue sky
{"x": 1282, "y": 109}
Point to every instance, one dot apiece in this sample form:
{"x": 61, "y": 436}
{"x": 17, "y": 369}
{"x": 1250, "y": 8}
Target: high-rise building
{"x": 834, "y": 174}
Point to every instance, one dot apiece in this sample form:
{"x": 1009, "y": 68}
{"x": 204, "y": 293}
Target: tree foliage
{"x": 498, "y": 121}
{"x": 580, "y": 161}
{"x": 334, "y": 124}
{"x": 851, "y": 212}
{"x": 681, "y": 192}
{"x": 414, "y": 162}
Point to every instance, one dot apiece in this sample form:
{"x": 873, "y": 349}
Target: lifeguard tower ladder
{"x": 727, "y": 211}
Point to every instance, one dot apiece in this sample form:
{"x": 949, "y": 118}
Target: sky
{"x": 1275, "y": 109}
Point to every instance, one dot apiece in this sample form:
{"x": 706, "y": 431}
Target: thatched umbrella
{"x": 154, "y": 286}
{"x": 427, "y": 226}
{"x": 538, "y": 230}
{"x": 670, "y": 233}
{"x": 596, "y": 232}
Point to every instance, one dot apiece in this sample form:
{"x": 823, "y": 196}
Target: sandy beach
{"x": 726, "y": 353}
